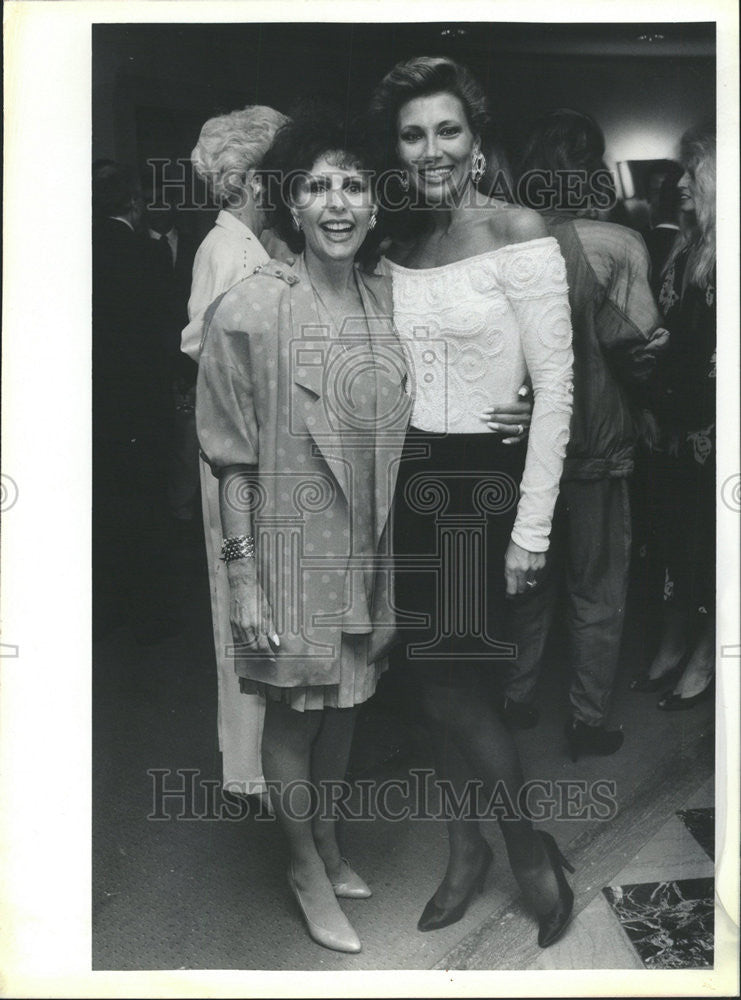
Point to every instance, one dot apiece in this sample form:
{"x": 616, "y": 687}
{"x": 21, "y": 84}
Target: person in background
{"x": 684, "y": 663}
{"x": 230, "y": 148}
{"x": 617, "y": 336}
{"x": 129, "y": 412}
{"x": 660, "y": 238}
{"x": 172, "y": 250}
{"x": 664, "y": 222}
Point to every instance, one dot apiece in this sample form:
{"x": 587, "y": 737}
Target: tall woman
{"x": 685, "y": 661}
{"x": 301, "y": 411}
{"x": 230, "y": 148}
{"x": 480, "y": 300}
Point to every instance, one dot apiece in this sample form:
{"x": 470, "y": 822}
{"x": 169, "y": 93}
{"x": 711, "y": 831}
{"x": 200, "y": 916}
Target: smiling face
{"x": 435, "y": 144}
{"x": 334, "y": 205}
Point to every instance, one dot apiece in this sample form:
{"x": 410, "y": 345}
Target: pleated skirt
{"x": 358, "y": 680}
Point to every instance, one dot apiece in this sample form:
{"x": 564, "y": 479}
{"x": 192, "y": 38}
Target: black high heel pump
{"x": 553, "y": 924}
{"x": 435, "y": 916}
{"x": 648, "y": 685}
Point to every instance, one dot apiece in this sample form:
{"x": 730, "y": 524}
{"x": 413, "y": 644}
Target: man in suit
{"x": 664, "y": 219}
{"x": 172, "y": 250}
{"x": 129, "y": 412}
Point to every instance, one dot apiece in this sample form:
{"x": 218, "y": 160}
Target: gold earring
{"x": 373, "y": 221}
{"x": 296, "y": 223}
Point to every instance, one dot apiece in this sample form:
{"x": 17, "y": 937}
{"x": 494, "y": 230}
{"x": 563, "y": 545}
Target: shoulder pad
{"x": 372, "y": 276}
{"x": 278, "y": 269}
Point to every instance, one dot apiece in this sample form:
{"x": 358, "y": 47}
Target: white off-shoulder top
{"x": 473, "y": 331}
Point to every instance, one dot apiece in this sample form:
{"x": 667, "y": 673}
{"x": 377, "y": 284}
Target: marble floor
{"x": 657, "y": 913}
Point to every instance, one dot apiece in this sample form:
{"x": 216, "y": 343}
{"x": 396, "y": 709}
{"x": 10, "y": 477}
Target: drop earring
{"x": 404, "y": 180}
{"x": 296, "y": 223}
{"x": 478, "y": 165}
{"x": 373, "y": 221}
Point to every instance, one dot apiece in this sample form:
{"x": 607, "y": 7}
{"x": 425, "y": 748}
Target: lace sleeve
{"x": 534, "y": 279}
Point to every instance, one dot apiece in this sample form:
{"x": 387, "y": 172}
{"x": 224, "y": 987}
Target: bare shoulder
{"x": 522, "y": 224}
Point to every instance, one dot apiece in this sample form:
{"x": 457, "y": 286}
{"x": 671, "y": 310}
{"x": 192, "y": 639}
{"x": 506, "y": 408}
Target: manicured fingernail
{"x": 522, "y": 391}
{"x": 274, "y": 639}
{"x": 508, "y": 440}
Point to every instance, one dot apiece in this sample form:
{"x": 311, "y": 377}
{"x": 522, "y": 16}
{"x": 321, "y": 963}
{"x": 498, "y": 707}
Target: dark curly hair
{"x": 314, "y": 131}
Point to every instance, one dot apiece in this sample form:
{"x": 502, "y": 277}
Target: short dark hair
{"x": 421, "y": 77}
{"x": 312, "y": 133}
{"x": 115, "y": 188}
{"x": 667, "y": 199}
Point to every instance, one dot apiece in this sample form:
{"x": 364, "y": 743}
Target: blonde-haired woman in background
{"x": 230, "y": 148}
{"x": 685, "y": 661}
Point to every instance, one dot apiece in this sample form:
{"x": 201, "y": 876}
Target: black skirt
{"x": 455, "y": 506}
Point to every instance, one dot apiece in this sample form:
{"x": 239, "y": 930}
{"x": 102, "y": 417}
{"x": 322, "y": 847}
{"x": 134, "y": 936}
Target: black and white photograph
{"x": 374, "y": 539}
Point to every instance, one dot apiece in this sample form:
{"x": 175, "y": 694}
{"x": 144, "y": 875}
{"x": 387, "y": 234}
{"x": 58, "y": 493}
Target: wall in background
{"x": 154, "y": 85}
{"x": 642, "y": 104}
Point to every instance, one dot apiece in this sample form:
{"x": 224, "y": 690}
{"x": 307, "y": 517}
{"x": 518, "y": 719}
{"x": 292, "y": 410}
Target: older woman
{"x": 229, "y": 150}
{"x": 684, "y": 664}
{"x": 301, "y": 412}
{"x": 480, "y": 300}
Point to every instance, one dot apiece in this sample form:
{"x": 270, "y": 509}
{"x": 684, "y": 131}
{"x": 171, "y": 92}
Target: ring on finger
{"x": 520, "y": 429}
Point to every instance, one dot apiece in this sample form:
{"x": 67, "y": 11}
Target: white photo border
{"x": 45, "y": 824}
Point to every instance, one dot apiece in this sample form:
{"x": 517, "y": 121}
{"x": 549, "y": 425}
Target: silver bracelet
{"x": 237, "y": 547}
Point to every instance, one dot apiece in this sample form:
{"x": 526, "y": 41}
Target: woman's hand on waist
{"x": 511, "y": 420}
{"x": 522, "y": 569}
{"x": 249, "y": 609}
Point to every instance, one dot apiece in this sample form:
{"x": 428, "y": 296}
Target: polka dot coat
{"x": 279, "y": 390}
